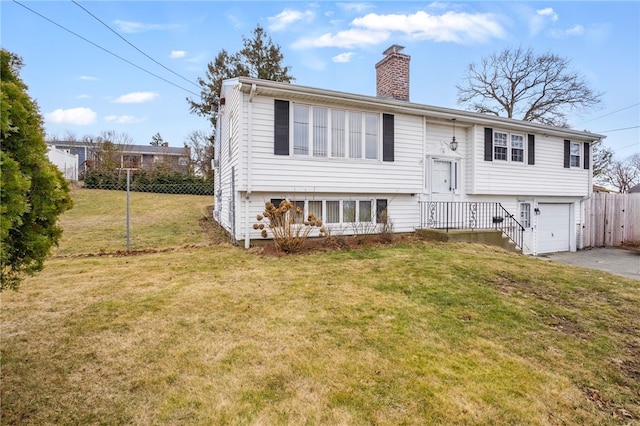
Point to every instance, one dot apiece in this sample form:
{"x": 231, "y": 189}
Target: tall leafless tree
{"x": 517, "y": 83}
{"x": 201, "y": 152}
{"x": 624, "y": 174}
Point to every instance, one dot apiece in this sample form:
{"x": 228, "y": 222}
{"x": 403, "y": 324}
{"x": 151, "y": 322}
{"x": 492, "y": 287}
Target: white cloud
{"x": 373, "y": 29}
{"x": 83, "y": 96}
{"x": 549, "y": 12}
{"x": 123, "y": 119}
{"x": 538, "y": 21}
{"x": 355, "y": 7}
{"x": 287, "y": 17}
{"x": 576, "y": 30}
{"x": 74, "y": 116}
{"x": 140, "y": 27}
{"x": 136, "y": 98}
{"x": 452, "y": 26}
{"x": 88, "y": 78}
{"x": 346, "y": 39}
{"x": 343, "y": 57}
{"x": 177, "y": 54}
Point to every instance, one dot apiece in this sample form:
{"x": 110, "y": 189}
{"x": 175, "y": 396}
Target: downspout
{"x": 247, "y": 238}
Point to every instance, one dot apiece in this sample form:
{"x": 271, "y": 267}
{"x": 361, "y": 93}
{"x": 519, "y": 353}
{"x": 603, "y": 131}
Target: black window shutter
{"x": 381, "y": 211}
{"x": 567, "y": 153}
{"x": 586, "y": 155}
{"x": 388, "y": 135}
{"x": 531, "y": 148}
{"x": 488, "y": 144}
{"x": 281, "y": 128}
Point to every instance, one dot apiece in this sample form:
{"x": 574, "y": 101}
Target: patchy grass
{"x": 416, "y": 333}
{"x": 98, "y": 221}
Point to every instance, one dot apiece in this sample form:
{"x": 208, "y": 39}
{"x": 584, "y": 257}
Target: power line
{"x": 617, "y": 130}
{"x": 131, "y": 44}
{"x": 106, "y": 50}
{"x": 611, "y": 113}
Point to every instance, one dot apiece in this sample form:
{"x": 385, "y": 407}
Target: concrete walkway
{"x": 615, "y": 260}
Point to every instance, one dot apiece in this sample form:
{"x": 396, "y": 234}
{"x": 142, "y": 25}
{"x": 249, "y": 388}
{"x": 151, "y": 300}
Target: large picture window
{"x": 316, "y": 131}
{"x": 324, "y": 132}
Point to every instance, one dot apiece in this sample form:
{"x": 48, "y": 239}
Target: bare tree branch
{"x": 518, "y": 84}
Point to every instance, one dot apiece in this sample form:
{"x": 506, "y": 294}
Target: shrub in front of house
{"x": 286, "y": 225}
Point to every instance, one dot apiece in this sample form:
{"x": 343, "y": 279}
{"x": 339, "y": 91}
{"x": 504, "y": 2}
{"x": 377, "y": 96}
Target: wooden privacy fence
{"x": 612, "y": 219}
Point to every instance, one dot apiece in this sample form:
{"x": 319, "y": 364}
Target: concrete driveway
{"x": 615, "y": 260}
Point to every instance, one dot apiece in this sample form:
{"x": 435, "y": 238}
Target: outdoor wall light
{"x": 536, "y": 211}
{"x": 453, "y": 144}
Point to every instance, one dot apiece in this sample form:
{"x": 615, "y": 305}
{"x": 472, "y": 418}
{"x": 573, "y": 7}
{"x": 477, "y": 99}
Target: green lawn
{"x": 98, "y": 222}
{"x": 417, "y": 333}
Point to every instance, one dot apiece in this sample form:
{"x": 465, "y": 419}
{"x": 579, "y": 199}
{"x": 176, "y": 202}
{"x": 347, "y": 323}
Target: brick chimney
{"x": 392, "y": 74}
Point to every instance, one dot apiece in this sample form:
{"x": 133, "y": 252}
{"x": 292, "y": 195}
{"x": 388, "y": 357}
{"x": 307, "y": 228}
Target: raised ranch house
{"x": 348, "y": 158}
{"x": 143, "y": 157}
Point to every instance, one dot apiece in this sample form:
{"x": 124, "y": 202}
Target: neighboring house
{"x": 65, "y": 162}
{"x": 348, "y": 158}
{"x": 144, "y": 157}
{"x": 600, "y": 188}
{"x": 635, "y": 189}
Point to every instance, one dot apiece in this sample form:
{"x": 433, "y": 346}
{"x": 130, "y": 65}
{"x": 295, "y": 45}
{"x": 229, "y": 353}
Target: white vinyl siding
{"x": 340, "y": 174}
{"x": 547, "y": 176}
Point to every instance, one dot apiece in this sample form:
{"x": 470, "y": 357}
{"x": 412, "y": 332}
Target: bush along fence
{"x": 163, "y": 182}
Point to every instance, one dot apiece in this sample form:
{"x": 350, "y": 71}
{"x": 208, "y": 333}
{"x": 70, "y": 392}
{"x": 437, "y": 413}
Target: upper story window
{"x": 517, "y": 148}
{"x": 508, "y": 147}
{"x": 575, "y": 155}
{"x": 332, "y": 133}
{"x": 511, "y": 147}
{"x": 500, "y": 146}
{"x": 324, "y": 132}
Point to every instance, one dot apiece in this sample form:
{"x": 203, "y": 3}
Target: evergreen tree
{"x": 33, "y": 192}
{"x": 156, "y": 140}
{"x": 259, "y": 58}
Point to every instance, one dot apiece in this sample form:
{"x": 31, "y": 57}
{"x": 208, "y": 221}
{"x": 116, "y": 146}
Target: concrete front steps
{"x": 480, "y": 236}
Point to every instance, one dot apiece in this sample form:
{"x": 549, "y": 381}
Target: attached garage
{"x": 554, "y": 228}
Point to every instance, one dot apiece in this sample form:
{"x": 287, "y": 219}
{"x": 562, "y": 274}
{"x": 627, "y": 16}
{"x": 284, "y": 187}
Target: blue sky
{"x": 82, "y": 89}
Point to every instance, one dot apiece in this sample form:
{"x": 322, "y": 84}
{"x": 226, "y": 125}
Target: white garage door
{"x": 554, "y": 224}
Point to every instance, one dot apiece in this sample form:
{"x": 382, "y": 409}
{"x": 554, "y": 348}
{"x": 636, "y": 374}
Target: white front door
{"x": 443, "y": 178}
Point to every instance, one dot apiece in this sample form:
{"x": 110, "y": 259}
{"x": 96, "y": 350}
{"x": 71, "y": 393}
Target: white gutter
{"x": 247, "y": 238}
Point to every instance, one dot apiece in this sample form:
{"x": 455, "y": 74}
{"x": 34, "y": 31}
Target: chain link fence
{"x": 166, "y": 183}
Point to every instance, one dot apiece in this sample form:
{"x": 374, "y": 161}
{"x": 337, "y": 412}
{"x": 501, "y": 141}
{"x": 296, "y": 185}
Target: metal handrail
{"x": 471, "y": 215}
